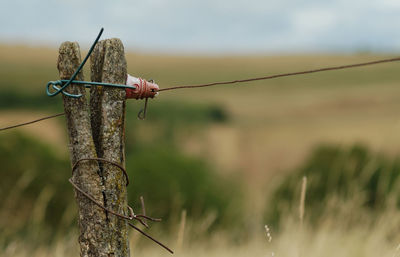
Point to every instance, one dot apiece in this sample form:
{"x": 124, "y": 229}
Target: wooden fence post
{"x": 101, "y": 233}
{"x": 107, "y": 106}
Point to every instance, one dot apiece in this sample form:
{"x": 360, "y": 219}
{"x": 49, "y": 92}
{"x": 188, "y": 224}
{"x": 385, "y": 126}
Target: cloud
{"x": 214, "y": 26}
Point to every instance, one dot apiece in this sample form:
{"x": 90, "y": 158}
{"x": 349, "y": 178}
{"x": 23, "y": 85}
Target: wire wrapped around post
{"x": 132, "y": 216}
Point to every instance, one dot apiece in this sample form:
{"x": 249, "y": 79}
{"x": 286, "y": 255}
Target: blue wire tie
{"x": 60, "y": 85}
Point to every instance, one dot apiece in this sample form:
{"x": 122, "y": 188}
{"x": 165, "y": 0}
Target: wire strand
{"x": 239, "y": 81}
{"x": 284, "y": 74}
{"x": 33, "y": 121}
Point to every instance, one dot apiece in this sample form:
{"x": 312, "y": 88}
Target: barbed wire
{"x": 297, "y": 73}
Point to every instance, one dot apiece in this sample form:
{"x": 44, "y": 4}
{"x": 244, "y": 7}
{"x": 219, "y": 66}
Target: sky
{"x": 208, "y": 26}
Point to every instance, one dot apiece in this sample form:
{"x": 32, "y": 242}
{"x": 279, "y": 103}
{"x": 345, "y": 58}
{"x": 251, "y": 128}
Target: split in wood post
{"x": 107, "y": 106}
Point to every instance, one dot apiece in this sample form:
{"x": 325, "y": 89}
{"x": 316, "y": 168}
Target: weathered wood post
{"x": 101, "y": 233}
{"x": 107, "y": 107}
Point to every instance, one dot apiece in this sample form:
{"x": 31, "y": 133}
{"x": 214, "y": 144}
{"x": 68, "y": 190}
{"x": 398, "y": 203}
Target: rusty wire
{"x": 151, "y": 238}
{"x": 132, "y": 216}
{"x": 102, "y": 160}
{"x": 341, "y": 67}
{"x": 33, "y": 121}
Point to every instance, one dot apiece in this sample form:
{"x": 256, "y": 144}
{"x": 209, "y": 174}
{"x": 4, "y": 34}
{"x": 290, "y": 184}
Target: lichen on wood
{"x": 94, "y": 233}
{"x": 107, "y": 107}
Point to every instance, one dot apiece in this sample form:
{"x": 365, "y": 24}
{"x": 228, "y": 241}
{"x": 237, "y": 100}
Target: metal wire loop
{"x": 53, "y": 88}
{"x": 102, "y": 160}
{"x": 61, "y": 89}
{"x": 87, "y": 84}
{"x": 132, "y": 216}
{"x": 142, "y": 113}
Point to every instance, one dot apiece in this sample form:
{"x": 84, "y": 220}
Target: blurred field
{"x": 274, "y": 123}
{"x": 272, "y": 127}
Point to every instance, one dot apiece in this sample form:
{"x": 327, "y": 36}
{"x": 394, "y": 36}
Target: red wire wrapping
{"x": 144, "y": 89}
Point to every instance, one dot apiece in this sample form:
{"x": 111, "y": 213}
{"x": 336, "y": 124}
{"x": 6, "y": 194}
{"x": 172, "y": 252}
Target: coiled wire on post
{"x": 132, "y": 216}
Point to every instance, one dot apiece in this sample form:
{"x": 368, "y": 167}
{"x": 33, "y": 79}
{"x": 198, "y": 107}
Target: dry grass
{"x": 330, "y": 239}
{"x": 369, "y": 236}
{"x": 302, "y": 200}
